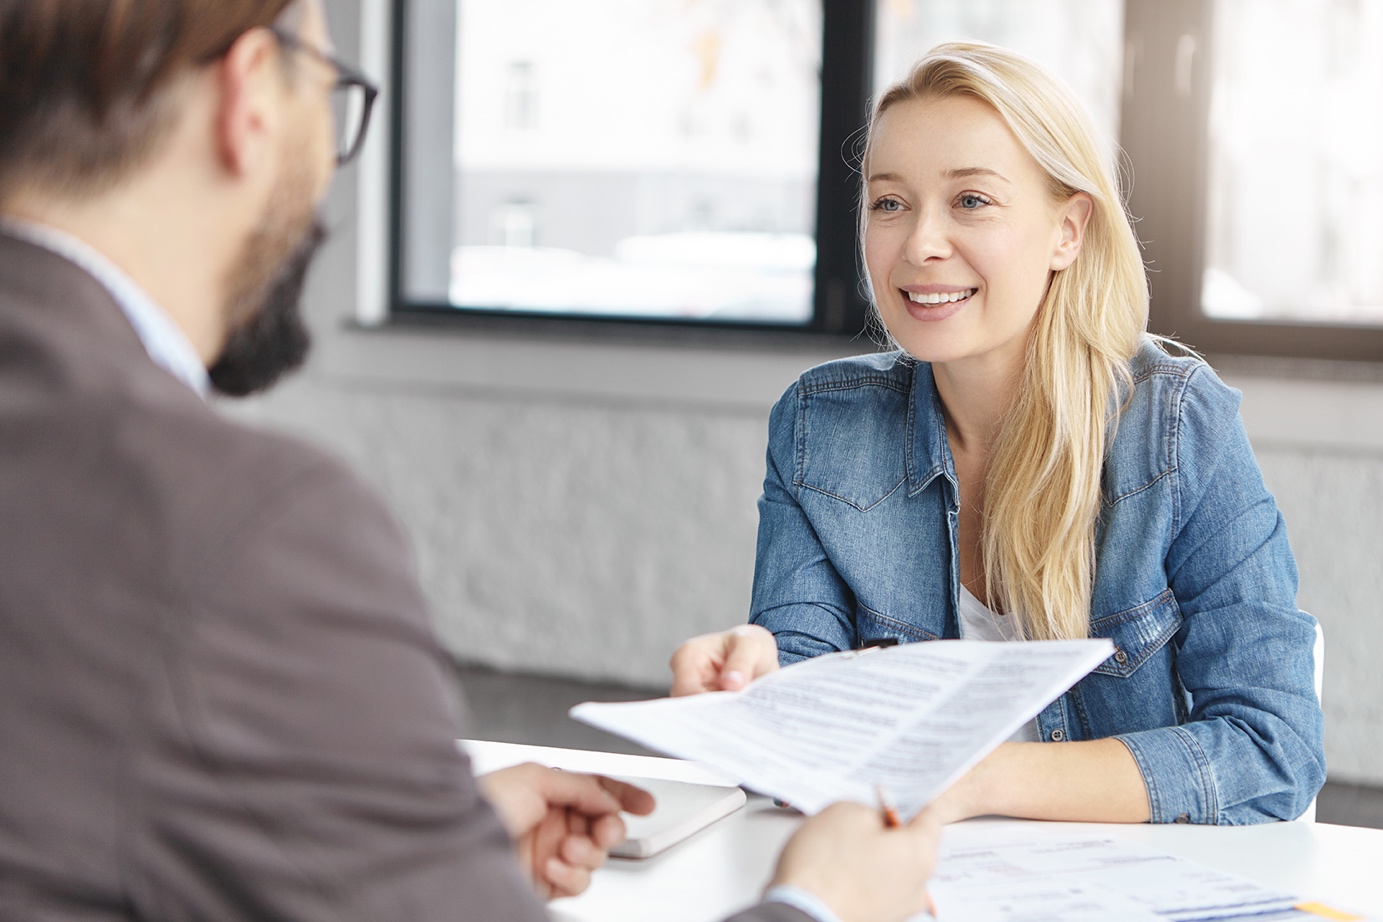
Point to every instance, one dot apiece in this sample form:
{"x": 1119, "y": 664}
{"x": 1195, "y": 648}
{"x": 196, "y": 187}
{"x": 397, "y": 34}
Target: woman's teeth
{"x": 941, "y": 297}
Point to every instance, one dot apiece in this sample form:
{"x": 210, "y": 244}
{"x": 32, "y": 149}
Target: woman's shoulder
{"x": 854, "y": 390}
{"x": 1178, "y": 406}
{"x": 1170, "y": 379}
{"x": 891, "y": 370}
{"x": 844, "y": 427}
{"x": 867, "y": 396}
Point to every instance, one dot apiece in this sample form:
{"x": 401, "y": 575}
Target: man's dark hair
{"x": 84, "y": 84}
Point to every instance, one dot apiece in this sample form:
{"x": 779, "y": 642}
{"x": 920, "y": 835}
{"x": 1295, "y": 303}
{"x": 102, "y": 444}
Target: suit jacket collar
{"x": 163, "y": 341}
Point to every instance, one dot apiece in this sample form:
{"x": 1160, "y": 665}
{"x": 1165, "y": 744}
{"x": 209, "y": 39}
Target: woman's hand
{"x": 726, "y": 661}
{"x": 563, "y": 824}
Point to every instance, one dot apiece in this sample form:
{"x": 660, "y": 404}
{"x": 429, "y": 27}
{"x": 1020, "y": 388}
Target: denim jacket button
{"x": 1120, "y": 657}
{"x": 1183, "y": 818}
{"x": 1058, "y": 735}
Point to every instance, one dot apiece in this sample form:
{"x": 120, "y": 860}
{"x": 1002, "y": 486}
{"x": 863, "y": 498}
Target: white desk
{"x": 725, "y": 867}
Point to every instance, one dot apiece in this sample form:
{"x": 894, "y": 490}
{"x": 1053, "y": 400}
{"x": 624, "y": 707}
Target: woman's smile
{"x": 932, "y": 302}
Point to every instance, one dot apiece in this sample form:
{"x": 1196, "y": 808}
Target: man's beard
{"x": 266, "y": 336}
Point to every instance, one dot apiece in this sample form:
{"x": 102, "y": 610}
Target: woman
{"x": 1031, "y": 464}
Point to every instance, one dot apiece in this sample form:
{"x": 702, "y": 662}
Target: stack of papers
{"x": 1083, "y": 878}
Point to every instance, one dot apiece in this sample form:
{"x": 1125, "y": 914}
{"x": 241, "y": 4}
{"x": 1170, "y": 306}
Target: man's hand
{"x": 863, "y": 870}
{"x": 726, "y": 661}
{"x": 563, "y": 824}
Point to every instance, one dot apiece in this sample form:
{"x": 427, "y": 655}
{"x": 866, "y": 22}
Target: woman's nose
{"x": 928, "y": 240}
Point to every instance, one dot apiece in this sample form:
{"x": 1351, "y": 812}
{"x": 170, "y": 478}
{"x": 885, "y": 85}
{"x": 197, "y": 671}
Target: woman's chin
{"x": 925, "y": 342}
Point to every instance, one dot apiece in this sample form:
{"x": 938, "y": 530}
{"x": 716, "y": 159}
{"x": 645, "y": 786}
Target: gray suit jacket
{"x": 220, "y": 695}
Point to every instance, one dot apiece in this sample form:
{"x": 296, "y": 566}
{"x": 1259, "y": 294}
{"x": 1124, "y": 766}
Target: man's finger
{"x": 564, "y": 880}
{"x": 631, "y": 798}
{"x": 608, "y": 831}
{"x": 580, "y": 852}
{"x": 584, "y": 793}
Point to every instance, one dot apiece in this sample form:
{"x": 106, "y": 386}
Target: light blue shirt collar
{"x": 804, "y": 900}
{"x": 164, "y": 340}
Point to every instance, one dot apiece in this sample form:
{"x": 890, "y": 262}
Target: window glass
{"x": 652, "y": 158}
{"x": 1082, "y": 41}
{"x": 1295, "y": 206}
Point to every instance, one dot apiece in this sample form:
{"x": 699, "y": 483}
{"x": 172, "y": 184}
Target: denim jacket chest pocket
{"x": 1137, "y": 686}
{"x": 1138, "y": 633}
{"x": 858, "y": 459}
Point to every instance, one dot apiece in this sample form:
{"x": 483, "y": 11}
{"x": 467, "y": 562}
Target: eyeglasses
{"x": 352, "y": 98}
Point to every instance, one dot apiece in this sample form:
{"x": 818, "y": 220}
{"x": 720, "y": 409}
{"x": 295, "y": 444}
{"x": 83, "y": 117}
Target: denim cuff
{"x": 1179, "y": 778}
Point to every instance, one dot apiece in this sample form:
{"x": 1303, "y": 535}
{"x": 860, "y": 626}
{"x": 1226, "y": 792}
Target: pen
{"x": 887, "y": 807}
{"x": 891, "y": 821}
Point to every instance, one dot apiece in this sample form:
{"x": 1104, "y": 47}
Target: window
{"x": 1259, "y": 172}
{"x": 1294, "y": 225}
{"x": 650, "y": 159}
{"x": 1082, "y": 41}
{"x": 689, "y": 162}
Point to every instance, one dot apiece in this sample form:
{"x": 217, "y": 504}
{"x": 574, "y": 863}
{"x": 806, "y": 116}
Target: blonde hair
{"x": 1042, "y": 487}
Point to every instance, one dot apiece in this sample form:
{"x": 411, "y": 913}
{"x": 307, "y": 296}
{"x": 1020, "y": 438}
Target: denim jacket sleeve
{"x": 1251, "y": 748}
{"x": 814, "y": 615}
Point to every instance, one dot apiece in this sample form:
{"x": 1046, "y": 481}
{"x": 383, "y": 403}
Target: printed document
{"x": 1074, "y": 878}
{"x": 913, "y": 718}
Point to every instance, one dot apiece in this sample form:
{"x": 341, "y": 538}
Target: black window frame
{"x": 1164, "y": 131}
{"x": 1163, "y": 134}
{"x": 839, "y": 307}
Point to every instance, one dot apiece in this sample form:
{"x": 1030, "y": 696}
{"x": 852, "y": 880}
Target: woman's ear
{"x": 1074, "y": 216}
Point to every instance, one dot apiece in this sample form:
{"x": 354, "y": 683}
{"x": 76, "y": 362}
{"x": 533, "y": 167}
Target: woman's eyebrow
{"x": 965, "y": 172}
{"x": 959, "y": 173}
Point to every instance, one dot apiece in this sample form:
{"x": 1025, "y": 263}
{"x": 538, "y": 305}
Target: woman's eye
{"x": 886, "y": 204}
{"x": 972, "y": 200}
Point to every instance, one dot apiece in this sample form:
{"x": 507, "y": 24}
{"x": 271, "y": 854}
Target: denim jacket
{"x": 1211, "y": 685}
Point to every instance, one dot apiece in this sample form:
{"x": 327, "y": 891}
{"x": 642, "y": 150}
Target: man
{"x": 220, "y": 697}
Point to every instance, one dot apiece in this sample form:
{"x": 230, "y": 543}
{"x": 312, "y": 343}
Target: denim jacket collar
{"x": 929, "y": 451}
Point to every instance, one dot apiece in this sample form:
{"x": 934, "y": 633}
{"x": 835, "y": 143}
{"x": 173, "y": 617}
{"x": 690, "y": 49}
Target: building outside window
{"x": 636, "y": 157}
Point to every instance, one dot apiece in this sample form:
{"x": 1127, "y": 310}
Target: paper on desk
{"x": 1073, "y": 878}
{"x": 914, "y": 717}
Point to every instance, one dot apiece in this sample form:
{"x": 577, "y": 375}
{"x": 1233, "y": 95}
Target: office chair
{"x": 1318, "y": 654}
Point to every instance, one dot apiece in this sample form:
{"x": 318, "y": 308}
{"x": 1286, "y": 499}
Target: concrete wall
{"x": 580, "y": 507}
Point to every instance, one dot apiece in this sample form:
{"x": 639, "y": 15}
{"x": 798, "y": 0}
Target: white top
{"x": 163, "y": 339}
{"x": 979, "y": 623}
